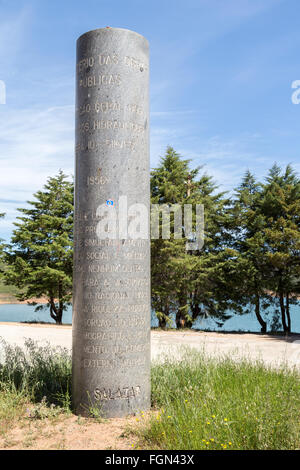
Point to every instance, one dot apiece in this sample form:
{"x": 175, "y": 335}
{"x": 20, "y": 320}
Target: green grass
{"x": 8, "y": 293}
{"x": 9, "y": 290}
{"x": 197, "y": 403}
{"x": 34, "y": 383}
{"x": 220, "y": 404}
{"x": 12, "y": 406}
{"x": 38, "y": 373}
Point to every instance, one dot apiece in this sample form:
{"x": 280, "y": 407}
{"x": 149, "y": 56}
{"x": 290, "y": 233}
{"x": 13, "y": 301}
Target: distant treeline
{"x": 250, "y": 260}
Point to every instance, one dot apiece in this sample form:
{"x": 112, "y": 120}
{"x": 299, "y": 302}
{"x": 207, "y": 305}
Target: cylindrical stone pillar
{"x": 111, "y": 295}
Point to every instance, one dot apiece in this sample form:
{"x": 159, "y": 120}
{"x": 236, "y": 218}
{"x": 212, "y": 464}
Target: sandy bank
{"x": 8, "y": 300}
{"x": 272, "y": 350}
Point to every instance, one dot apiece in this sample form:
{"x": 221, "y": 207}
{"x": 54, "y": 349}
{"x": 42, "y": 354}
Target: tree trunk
{"x": 181, "y": 314}
{"x": 61, "y": 305}
{"x": 162, "y": 322}
{"x": 180, "y": 322}
{"x": 282, "y": 308}
{"x": 162, "y": 319}
{"x": 287, "y": 309}
{"x": 188, "y": 323}
{"x": 59, "y": 317}
{"x": 195, "y": 310}
{"x": 263, "y": 324}
{"x": 56, "y": 313}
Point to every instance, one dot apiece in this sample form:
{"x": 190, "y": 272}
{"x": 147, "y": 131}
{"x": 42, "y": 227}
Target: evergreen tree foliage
{"x": 250, "y": 259}
{"x": 191, "y": 283}
{"x": 40, "y": 256}
{"x": 281, "y": 209}
{"x": 2, "y": 214}
{"x": 248, "y": 242}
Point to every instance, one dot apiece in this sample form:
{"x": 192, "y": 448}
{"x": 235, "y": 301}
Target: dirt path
{"x": 70, "y": 433}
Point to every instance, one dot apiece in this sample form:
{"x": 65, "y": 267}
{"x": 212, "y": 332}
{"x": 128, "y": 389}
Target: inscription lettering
{"x": 114, "y": 336}
{"x": 135, "y": 321}
{"x": 115, "y": 144}
{"x": 107, "y": 106}
{"x": 119, "y": 349}
{"x": 134, "y": 108}
{"x": 110, "y": 242}
{"x": 111, "y": 125}
{"x": 115, "y": 268}
{"x": 121, "y": 393}
{"x": 118, "y": 125}
{"x": 114, "y": 295}
{"x": 135, "y": 63}
{"x": 85, "y": 64}
{"x": 97, "y": 243}
{"x": 106, "y": 59}
{"x": 97, "y": 180}
{"x": 111, "y": 59}
{"x": 113, "y": 363}
{"x": 95, "y": 80}
{"x": 106, "y": 295}
{"x": 113, "y": 308}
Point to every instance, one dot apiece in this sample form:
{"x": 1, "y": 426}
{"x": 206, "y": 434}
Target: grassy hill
{"x": 8, "y": 293}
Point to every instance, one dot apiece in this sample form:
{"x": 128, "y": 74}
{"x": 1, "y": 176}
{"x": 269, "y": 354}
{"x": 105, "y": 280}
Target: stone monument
{"x": 111, "y": 295}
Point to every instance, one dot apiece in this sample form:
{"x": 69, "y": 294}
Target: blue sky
{"x": 221, "y": 76}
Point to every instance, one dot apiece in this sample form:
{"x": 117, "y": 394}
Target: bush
{"x": 38, "y": 371}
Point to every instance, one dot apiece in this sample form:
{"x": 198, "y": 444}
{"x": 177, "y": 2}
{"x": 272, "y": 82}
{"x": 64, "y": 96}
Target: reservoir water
{"x": 247, "y": 322}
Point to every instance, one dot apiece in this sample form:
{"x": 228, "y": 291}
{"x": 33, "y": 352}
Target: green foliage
{"x": 35, "y": 382}
{"x": 12, "y": 406}
{"x": 265, "y": 224}
{"x": 42, "y": 410}
{"x": 281, "y": 209}
{"x": 38, "y": 372}
{"x": 247, "y": 224}
{"x": 221, "y": 404}
{"x": 190, "y": 283}
{"x": 1, "y": 241}
{"x": 40, "y": 257}
{"x": 250, "y": 260}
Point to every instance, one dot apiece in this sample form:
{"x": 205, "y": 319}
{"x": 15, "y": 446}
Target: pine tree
{"x": 281, "y": 208}
{"x": 1, "y": 242}
{"x": 168, "y": 186}
{"x": 188, "y": 283}
{"x": 212, "y": 292}
{"x": 248, "y": 223}
{"x": 40, "y": 256}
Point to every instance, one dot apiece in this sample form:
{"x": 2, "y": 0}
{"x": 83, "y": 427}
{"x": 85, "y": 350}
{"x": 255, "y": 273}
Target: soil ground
{"x": 70, "y": 433}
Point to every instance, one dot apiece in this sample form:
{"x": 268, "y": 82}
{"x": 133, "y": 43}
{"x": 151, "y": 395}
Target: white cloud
{"x": 34, "y": 144}
{"x": 12, "y": 33}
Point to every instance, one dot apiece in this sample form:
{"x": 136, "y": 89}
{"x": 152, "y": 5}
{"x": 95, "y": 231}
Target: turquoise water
{"x": 21, "y": 313}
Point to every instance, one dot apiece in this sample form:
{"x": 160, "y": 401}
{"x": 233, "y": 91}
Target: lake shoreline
{"x": 15, "y": 301}
{"x": 36, "y": 324}
{"x": 26, "y": 314}
{"x": 187, "y": 331}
